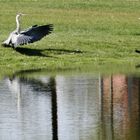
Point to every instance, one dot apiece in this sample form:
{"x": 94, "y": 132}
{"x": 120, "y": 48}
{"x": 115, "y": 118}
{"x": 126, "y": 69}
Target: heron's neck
{"x": 18, "y": 25}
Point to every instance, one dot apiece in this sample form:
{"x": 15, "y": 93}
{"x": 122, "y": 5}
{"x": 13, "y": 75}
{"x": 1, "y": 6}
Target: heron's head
{"x": 19, "y": 15}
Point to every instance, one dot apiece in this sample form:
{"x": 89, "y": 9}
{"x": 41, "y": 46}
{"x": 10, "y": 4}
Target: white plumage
{"x": 30, "y": 35}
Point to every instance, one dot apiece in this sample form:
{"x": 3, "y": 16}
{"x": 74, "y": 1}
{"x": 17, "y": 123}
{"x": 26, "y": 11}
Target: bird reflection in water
{"x": 20, "y": 86}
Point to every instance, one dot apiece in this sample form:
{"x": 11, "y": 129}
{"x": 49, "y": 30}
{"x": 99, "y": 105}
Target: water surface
{"x": 70, "y": 107}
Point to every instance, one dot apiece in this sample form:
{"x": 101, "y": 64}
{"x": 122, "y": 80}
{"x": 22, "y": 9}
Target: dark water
{"x": 70, "y": 107}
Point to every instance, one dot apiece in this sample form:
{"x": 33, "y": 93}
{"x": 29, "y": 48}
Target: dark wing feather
{"x": 33, "y": 34}
{"x": 38, "y": 32}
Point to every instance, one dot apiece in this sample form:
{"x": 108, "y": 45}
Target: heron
{"x": 30, "y": 35}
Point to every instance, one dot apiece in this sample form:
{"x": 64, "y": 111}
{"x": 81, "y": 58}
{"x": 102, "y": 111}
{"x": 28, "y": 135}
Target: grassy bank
{"x": 86, "y": 34}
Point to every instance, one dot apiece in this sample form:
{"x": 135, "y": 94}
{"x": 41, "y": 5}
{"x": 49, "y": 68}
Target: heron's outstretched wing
{"x": 33, "y": 34}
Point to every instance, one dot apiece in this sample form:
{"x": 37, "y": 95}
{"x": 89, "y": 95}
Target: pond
{"x": 70, "y": 107}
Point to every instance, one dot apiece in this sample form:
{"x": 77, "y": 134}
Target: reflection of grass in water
{"x": 86, "y": 34}
{"x": 108, "y": 69}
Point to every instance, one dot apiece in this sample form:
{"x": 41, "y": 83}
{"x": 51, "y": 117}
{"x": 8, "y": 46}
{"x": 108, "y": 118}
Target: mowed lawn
{"x": 87, "y": 33}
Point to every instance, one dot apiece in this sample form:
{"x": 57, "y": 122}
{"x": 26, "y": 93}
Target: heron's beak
{"x": 24, "y": 14}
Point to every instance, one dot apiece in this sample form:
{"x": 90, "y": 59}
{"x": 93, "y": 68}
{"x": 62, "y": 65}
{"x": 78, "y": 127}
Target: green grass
{"x": 87, "y": 34}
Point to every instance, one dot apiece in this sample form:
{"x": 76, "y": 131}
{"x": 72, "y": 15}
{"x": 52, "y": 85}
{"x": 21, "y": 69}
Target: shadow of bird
{"x": 31, "y": 52}
{"x": 39, "y": 52}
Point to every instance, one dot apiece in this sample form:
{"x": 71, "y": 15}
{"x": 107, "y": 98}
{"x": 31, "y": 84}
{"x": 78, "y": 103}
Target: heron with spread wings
{"x": 32, "y": 34}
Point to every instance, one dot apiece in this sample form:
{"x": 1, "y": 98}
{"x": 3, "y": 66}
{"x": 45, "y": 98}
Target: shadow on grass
{"x": 136, "y": 34}
{"x": 137, "y": 66}
{"x": 31, "y": 52}
{"x": 39, "y": 52}
{"x": 62, "y": 51}
{"x": 137, "y": 51}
